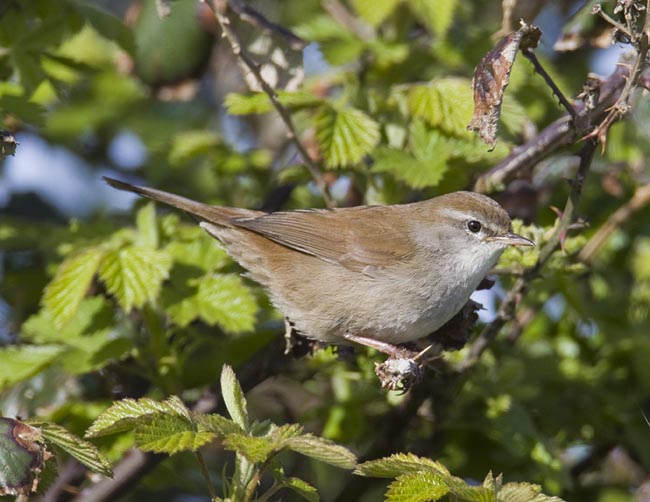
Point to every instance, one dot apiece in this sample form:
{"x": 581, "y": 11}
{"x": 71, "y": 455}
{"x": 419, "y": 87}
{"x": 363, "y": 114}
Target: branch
{"x": 558, "y": 134}
{"x": 249, "y": 64}
{"x": 508, "y": 305}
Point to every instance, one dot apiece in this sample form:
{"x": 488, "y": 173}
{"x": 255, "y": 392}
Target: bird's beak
{"x": 511, "y": 239}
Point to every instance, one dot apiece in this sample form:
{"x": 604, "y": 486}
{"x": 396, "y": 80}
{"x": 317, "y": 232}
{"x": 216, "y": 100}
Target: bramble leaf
{"x": 345, "y": 135}
{"x": 233, "y": 397}
{"x": 134, "y": 274}
{"x": 85, "y": 452}
{"x": 69, "y": 286}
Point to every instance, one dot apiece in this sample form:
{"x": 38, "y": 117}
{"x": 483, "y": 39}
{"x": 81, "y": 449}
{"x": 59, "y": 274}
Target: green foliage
{"x": 22, "y": 362}
{"x": 345, "y": 135}
{"x": 422, "y": 480}
{"x": 170, "y": 427}
{"x": 81, "y": 450}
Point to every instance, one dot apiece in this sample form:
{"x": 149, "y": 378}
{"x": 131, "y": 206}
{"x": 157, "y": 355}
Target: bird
{"x": 374, "y": 275}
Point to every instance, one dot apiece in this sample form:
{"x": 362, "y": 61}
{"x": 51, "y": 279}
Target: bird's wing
{"x": 361, "y": 239}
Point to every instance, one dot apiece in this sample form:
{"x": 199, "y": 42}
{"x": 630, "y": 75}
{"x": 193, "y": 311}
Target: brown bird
{"x": 374, "y": 275}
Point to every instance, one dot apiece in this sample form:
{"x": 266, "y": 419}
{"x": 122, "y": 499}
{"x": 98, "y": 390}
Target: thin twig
{"x": 639, "y": 200}
{"x": 508, "y": 305}
{"x": 530, "y": 55}
{"x": 251, "y": 65}
{"x": 206, "y": 475}
{"x": 620, "y": 27}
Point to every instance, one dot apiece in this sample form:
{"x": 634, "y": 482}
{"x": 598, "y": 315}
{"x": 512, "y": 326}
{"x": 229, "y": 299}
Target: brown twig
{"x": 508, "y": 305}
{"x": 530, "y": 55}
{"x": 558, "y": 134}
{"x": 250, "y": 65}
{"x": 639, "y": 200}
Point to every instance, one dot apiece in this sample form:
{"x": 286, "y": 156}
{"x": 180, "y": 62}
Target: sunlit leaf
{"x": 398, "y": 464}
{"x": 134, "y": 274}
{"x": 64, "y": 293}
{"x": 83, "y": 451}
{"x": 422, "y": 486}
{"x": 345, "y": 135}
{"x": 233, "y": 397}
{"x": 170, "y": 434}
{"x": 323, "y": 450}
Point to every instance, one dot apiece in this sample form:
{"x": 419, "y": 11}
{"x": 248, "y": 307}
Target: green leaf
{"x": 523, "y": 492}
{"x": 425, "y": 167}
{"x": 216, "y": 423}
{"x": 134, "y": 274}
{"x": 255, "y": 449}
{"x": 446, "y": 103}
{"x": 147, "y": 226}
{"x": 21, "y": 456}
{"x": 302, "y": 488}
{"x": 64, "y": 293}
{"x": 420, "y": 486}
{"x": 437, "y": 16}
{"x": 345, "y": 135}
{"x": 398, "y": 464}
{"x": 323, "y": 450}
{"x": 374, "y": 12}
{"x": 22, "y": 362}
{"x": 126, "y": 414}
{"x": 221, "y": 299}
{"x": 225, "y": 300}
{"x": 83, "y": 451}
{"x": 233, "y": 397}
{"x": 203, "y": 252}
{"x": 170, "y": 434}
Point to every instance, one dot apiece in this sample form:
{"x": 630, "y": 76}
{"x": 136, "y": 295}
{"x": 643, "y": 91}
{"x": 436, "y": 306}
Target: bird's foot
{"x": 402, "y": 370}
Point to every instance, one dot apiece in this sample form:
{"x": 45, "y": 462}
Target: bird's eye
{"x": 474, "y": 226}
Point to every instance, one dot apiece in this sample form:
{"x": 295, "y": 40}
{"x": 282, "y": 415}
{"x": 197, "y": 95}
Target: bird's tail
{"x": 214, "y": 214}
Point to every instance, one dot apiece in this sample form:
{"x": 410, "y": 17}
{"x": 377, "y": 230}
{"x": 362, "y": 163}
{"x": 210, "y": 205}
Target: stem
{"x": 254, "y": 482}
{"x": 206, "y": 475}
{"x": 530, "y": 55}
{"x": 251, "y": 65}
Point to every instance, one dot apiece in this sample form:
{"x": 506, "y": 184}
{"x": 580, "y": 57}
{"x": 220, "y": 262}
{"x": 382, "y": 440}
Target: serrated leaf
{"x": 437, "y": 16}
{"x": 225, "y": 300}
{"x": 147, "y": 226}
{"x": 419, "y": 486}
{"x": 323, "y": 450}
{"x": 22, "y": 362}
{"x": 83, "y": 451}
{"x": 345, "y": 135}
{"x": 170, "y": 434}
{"x": 524, "y": 492}
{"x": 204, "y": 252}
{"x": 233, "y": 397}
{"x": 134, "y": 274}
{"x": 216, "y": 423}
{"x": 398, "y": 464}
{"x": 374, "y": 12}
{"x": 409, "y": 170}
{"x": 126, "y": 414}
{"x": 64, "y": 293}
{"x": 446, "y": 103}
{"x": 255, "y": 449}
{"x": 302, "y": 488}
